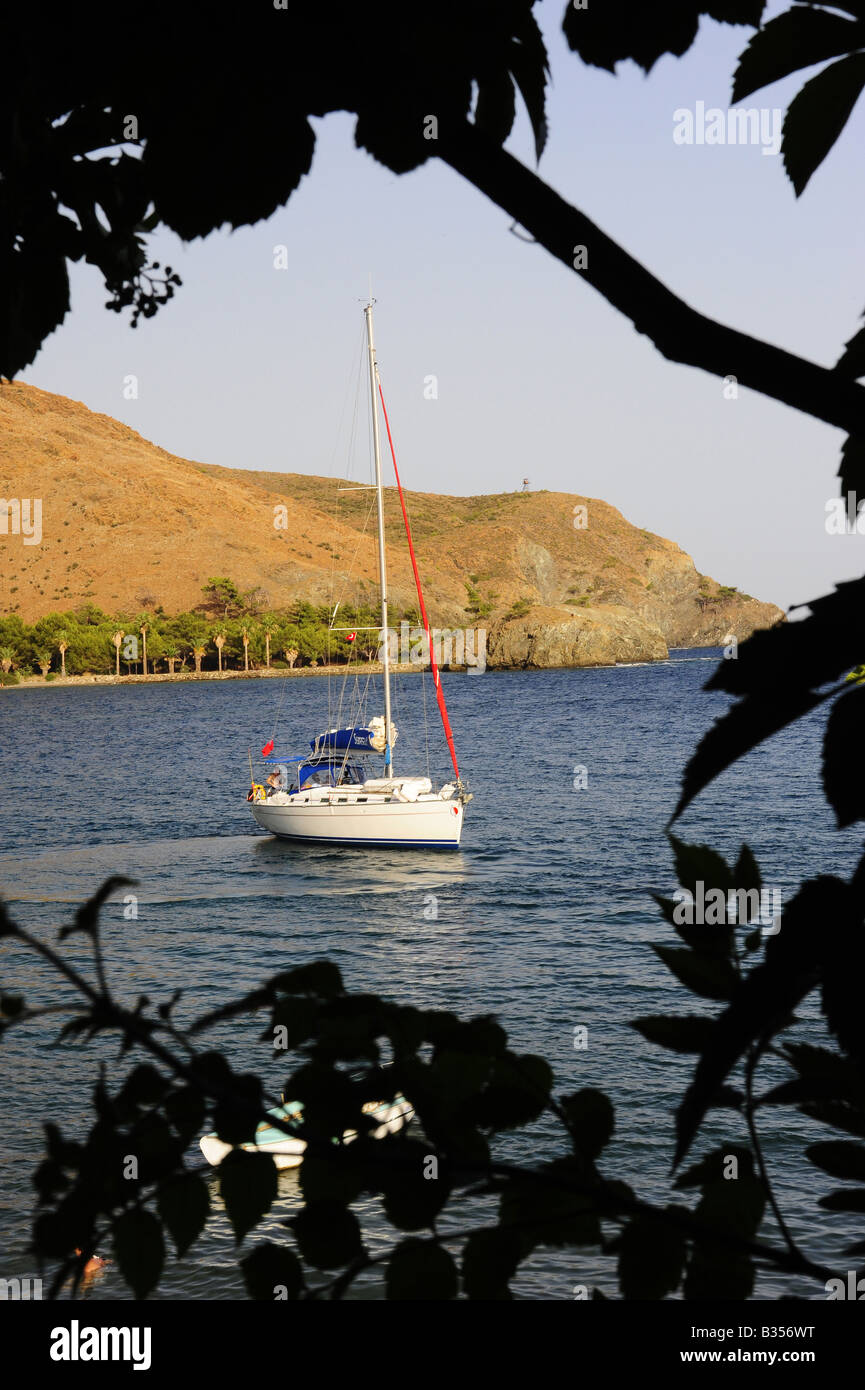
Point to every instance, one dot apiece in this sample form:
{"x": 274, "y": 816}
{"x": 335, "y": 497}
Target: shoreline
{"x": 163, "y": 677}
{"x": 401, "y": 668}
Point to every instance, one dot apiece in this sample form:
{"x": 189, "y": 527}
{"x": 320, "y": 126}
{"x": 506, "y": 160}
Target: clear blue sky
{"x": 537, "y": 375}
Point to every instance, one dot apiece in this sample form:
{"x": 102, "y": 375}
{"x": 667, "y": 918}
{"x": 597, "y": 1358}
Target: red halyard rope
{"x": 446, "y": 724}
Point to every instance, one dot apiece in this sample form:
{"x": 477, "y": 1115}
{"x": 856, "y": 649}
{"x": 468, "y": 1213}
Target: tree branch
{"x": 679, "y": 332}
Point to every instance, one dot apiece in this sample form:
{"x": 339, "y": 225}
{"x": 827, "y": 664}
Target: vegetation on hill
{"x": 86, "y": 641}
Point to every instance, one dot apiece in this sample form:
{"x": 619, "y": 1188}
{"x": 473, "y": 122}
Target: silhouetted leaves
{"x": 732, "y": 1203}
{"x": 796, "y": 39}
{"x": 248, "y": 1186}
{"x": 818, "y": 114}
{"x": 844, "y": 757}
{"x": 651, "y": 1258}
{"x": 184, "y": 1206}
{"x": 272, "y": 1272}
{"x": 591, "y": 1120}
{"x": 852, "y": 360}
{"x": 139, "y": 1249}
{"x": 839, "y": 1158}
{"x": 549, "y": 1209}
{"x": 689, "y": 1033}
{"x": 742, "y": 728}
{"x": 605, "y": 35}
{"x": 411, "y": 1199}
{"x": 844, "y": 1199}
{"x": 87, "y": 917}
{"x": 490, "y": 1260}
{"x": 764, "y": 999}
{"x": 851, "y": 469}
{"x": 421, "y": 1270}
{"x": 328, "y": 1234}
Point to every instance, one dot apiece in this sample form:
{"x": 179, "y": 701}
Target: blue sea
{"x": 543, "y": 917}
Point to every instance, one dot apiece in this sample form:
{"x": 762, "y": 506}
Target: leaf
{"x": 495, "y": 108}
{"x": 87, "y": 917}
{"x": 319, "y": 977}
{"x": 839, "y": 1158}
{"x": 851, "y": 363}
{"x": 844, "y": 758}
{"x": 490, "y": 1260}
{"x": 688, "y": 1033}
{"x": 844, "y": 1199}
{"x": 528, "y": 63}
{"x": 328, "y": 1234}
{"x": 549, "y": 1210}
{"x": 139, "y": 1249}
{"x": 411, "y": 1200}
{"x": 747, "y": 872}
{"x": 421, "y": 1270}
{"x": 249, "y": 1003}
{"x": 764, "y": 1000}
{"x": 843, "y": 958}
{"x": 651, "y": 1258}
{"x": 591, "y": 1118}
{"x": 269, "y": 1269}
{"x": 851, "y": 469}
{"x": 605, "y": 35}
{"x": 712, "y": 1166}
{"x": 221, "y": 131}
{"x": 11, "y": 1005}
{"x": 817, "y": 115}
{"x": 732, "y": 1206}
{"x": 700, "y": 864}
{"x": 709, "y": 976}
{"x": 184, "y": 1206}
{"x": 517, "y": 1092}
{"x": 248, "y": 1185}
{"x": 744, "y": 726}
{"x": 298, "y": 1016}
{"x": 796, "y": 39}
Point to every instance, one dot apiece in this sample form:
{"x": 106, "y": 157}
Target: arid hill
{"x": 126, "y": 524}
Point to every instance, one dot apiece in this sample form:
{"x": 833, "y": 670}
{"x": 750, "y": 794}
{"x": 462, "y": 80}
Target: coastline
{"x": 156, "y": 677}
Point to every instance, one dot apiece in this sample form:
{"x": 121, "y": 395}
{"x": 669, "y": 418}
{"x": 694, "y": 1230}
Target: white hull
{"x": 425, "y": 823}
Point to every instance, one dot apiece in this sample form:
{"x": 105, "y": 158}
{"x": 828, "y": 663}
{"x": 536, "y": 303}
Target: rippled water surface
{"x": 543, "y": 917}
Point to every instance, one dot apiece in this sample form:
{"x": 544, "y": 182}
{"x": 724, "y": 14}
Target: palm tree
{"x": 291, "y": 654}
{"x": 63, "y": 647}
{"x": 7, "y": 659}
{"x": 143, "y": 631}
{"x": 268, "y": 626}
{"x": 198, "y": 651}
{"x": 244, "y": 637}
{"x": 43, "y": 661}
{"x": 171, "y": 656}
{"x": 117, "y": 639}
{"x": 219, "y": 639}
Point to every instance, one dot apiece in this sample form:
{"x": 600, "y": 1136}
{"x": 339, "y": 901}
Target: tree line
{"x": 228, "y": 630}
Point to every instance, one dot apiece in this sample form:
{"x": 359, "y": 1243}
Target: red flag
{"x": 351, "y": 636}
{"x": 267, "y": 749}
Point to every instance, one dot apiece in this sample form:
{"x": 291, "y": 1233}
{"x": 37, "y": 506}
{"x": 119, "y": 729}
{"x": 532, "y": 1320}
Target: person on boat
{"x": 275, "y": 782}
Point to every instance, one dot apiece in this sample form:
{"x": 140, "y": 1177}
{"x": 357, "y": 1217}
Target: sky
{"x": 537, "y": 375}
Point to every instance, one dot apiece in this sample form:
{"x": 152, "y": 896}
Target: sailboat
{"x": 331, "y": 794}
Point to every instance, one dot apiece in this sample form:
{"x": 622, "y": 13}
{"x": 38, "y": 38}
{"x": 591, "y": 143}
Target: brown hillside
{"x": 125, "y": 522}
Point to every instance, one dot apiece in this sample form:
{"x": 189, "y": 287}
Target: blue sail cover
{"x": 357, "y": 740}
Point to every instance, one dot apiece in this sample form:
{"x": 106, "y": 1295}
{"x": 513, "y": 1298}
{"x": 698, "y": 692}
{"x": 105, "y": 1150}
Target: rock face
{"x": 555, "y": 579}
{"x": 594, "y": 637}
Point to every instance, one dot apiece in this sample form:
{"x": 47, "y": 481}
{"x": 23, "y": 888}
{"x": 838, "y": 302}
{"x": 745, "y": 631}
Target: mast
{"x": 382, "y": 568}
